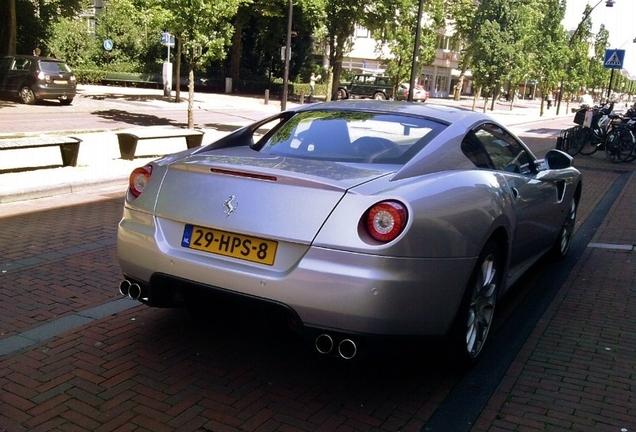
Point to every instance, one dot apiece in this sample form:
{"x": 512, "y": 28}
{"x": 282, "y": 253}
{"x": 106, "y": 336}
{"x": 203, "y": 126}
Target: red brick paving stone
{"x": 583, "y": 349}
{"x": 117, "y": 422}
{"x": 56, "y": 229}
{"x": 284, "y": 395}
{"x": 40, "y": 296}
{"x": 158, "y": 342}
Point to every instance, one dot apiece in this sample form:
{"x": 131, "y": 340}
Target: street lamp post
{"x": 283, "y": 102}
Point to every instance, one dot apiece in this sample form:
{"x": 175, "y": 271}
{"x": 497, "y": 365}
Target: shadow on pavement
{"x": 135, "y": 118}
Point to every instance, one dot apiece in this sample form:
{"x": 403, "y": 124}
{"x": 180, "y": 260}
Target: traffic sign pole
{"x": 609, "y": 87}
{"x": 614, "y": 59}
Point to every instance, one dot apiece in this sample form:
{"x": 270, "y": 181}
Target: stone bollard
{"x": 302, "y": 98}
{"x": 266, "y": 97}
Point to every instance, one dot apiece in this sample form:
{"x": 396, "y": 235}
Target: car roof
{"x": 32, "y": 57}
{"x": 442, "y": 113}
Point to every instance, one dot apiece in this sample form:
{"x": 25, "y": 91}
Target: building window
{"x": 361, "y": 32}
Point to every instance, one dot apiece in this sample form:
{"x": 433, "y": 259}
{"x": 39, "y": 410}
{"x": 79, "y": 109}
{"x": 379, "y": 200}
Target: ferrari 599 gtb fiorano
{"x": 356, "y": 219}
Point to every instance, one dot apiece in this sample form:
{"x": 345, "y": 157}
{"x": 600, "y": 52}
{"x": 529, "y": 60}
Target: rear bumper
{"x": 44, "y": 91}
{"x": 326, "y": 289}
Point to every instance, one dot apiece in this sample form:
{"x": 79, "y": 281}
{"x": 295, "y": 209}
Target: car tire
{"x": 67, "y": 101}
{"x": 27, "y": 95}
{"x": 563, "y": 241}
{"x": 342, "y": 94}
{"x": 379, "y": 96}
{"x": 476, "y": 311}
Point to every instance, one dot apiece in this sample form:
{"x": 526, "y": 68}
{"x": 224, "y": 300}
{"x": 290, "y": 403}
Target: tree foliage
{"x": 502, "y": 41}
{"x": 203, "y": 29}
{"x": 69, "y": 41}
{"x": 461, "y": 13}
{"x": 26, "y": 24}
{"x": 550, "y": 36}
{"x": 500, "y": 32}
{"x": 394, "y": 26}
{"x": 599, "y": 76}
{"x": 135, "y": 34}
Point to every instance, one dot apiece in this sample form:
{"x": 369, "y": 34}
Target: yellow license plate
{"x": 229, "y": 244}
{"x": 60, "y": 82}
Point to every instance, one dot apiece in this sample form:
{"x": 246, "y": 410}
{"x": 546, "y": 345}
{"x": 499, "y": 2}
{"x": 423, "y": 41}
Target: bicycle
{"x": 620, "y": 145}
{"x": 592, "y": 137}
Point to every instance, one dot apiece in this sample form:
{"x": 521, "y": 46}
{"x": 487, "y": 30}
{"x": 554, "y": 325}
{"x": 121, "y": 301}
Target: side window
{"x": 21, "y": 64}
{"x": 505, "y": 152}
{"x": 475, "y": 151}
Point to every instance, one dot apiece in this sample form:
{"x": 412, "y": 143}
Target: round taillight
{"x": 139, "y": 179}
{"x": 386, "y": 220}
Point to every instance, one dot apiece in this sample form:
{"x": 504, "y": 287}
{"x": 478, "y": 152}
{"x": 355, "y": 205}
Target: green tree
{"x": 8, "y": 27}
{"x": 260, "y": 30}
{"x": 549, "y": 42}
{"x": 69, "y": 41}
{"x": 461, "y": 13}
{"x": 599, "y": 76}
{"x": 576, "y": 70}
{"x": 135, "y": 30}
{"x": 340, "y": 18}
{"x": 26, "y": 24}
{"x": 204, "y": 29}
{"x": 500, "y": 34}
{"x": 394, "y": 25}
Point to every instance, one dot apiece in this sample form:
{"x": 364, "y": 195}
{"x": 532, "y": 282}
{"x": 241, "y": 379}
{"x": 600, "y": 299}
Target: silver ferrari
{"x": 355, "y": 219}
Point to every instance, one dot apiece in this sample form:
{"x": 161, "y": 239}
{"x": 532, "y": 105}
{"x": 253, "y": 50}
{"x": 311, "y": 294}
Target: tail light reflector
{"x": 139, "y": 179}
{"x": 386, "y": 220}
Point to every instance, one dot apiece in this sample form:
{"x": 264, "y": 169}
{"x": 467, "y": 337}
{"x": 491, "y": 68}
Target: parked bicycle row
{"x": 600, "y": 128}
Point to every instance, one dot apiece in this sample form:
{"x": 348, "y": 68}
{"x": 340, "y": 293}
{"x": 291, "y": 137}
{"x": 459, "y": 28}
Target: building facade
{"x": 439, "y": 78}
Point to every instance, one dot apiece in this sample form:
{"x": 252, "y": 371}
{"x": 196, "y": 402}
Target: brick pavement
{"x": 577, "y": 370}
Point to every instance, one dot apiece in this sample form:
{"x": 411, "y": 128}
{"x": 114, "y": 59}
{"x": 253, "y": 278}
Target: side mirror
{"x": 557, "y": 159}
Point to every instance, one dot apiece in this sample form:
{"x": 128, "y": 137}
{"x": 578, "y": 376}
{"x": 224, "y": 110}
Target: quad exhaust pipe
{"x": 346, "y": 349}
{"x": 130, "y": 289}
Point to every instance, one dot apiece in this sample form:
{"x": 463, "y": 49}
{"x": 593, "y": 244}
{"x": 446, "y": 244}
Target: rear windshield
{"x": 53, "y": 67}
{"x": 351, "y": 136}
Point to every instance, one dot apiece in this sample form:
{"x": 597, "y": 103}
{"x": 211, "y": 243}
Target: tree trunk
{"x": 458, "y": 87}
{"x": 8, "y": 27}
{"x": 476, "y": 96}
{"x": 235, "y": 52}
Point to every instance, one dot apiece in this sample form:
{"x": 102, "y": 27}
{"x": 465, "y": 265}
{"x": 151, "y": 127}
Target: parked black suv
{"x": 33, "y": 78}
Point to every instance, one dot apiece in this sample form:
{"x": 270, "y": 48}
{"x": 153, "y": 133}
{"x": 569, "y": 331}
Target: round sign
{"x": 108, "y": 44}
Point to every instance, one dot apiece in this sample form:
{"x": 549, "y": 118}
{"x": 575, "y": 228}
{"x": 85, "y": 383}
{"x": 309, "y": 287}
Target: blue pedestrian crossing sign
{"x": 614, "y": 59}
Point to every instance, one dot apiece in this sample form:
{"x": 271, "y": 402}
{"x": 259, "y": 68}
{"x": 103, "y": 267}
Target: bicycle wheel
{"x": 575, "y": 141}
{"x": 589, "y": 145}
{"x": 619, "y": 145}
{"x": 632, "y": 157}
